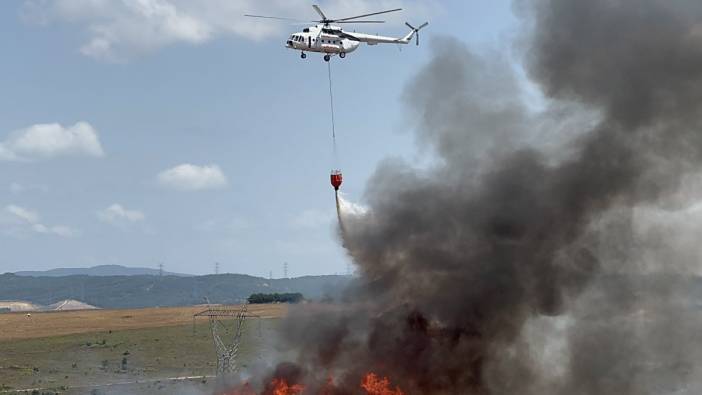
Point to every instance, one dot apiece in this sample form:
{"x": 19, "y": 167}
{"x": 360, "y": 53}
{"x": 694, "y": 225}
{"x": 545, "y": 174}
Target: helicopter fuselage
{"x": 328, "y": 41}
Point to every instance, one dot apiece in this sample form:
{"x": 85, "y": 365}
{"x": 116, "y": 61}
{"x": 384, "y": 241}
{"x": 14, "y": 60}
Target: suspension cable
{"x": 331, "y": 106}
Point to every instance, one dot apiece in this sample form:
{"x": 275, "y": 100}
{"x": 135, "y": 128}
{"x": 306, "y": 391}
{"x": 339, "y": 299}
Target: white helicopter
{"x": 333, "y": 40}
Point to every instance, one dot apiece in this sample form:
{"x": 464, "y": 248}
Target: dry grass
{"x": 14, "y": 326}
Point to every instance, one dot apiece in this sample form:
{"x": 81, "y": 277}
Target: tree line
{"x": 261, "y": 298}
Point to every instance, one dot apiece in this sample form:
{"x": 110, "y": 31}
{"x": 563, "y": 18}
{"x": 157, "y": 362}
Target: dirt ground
{"x": 16, "y": 326}
{"x": 140, "y": 351}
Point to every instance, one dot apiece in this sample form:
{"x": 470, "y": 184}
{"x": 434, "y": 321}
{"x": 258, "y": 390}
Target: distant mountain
{"x": 102, "y": 270}
{"x": 69, "y": 305}
{"x": 151, "y": 291}
{"x": 64, "y": 305}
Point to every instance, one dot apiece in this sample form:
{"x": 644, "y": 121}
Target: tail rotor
{"x": 417, "y": 29}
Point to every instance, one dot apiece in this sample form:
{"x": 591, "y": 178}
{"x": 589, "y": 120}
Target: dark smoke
{"x": 512, "y": 266}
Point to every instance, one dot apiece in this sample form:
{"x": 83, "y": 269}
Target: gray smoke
{"x": 513, "y": 264}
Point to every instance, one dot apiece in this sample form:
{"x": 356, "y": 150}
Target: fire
{"x": 374, "y": 385}
{"x": 281, "y": 387}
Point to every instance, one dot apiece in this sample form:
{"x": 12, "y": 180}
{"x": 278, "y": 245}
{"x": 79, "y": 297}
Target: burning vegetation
{"x": 513, "y": 264}
{"x": 371, "y": 385}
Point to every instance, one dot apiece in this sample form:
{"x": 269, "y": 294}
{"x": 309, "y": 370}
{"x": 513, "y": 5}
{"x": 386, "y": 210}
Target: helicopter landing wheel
{"x": 327, "y": 58}
{"x": 303, "y": 55}
{"x": 342, "y": 55}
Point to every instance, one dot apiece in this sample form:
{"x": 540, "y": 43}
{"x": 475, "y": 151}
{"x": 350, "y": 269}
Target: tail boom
{"x": 372, "y": 39}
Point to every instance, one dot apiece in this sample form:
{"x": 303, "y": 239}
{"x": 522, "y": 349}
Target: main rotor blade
{"x": 319, "y": 11}
{"x": 360, "y": 22}
{"x": 276, "y": 17}
{"x": 365, "y": 15}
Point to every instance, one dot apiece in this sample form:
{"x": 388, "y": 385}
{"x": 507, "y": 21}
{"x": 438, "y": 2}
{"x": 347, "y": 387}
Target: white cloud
{"x": 17, "y": 188}
{"x": 22, "y": 213}
{"x": 6, "y": 154}
{"x": 119, "y": 29}
{"x": 188, "y": 177}
{"x": 18, "y": 220}
{"x": 43, "y": 141}
{"x": 116, "y": 214}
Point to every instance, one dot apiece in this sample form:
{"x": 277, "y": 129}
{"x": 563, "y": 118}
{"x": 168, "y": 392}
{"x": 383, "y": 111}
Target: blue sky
{"x": 135, "y": 132}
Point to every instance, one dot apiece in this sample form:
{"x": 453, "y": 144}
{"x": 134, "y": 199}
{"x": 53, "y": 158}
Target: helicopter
{"x": 331, "y": 40}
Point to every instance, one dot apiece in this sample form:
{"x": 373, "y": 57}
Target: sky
{"x": 139, "y": 132}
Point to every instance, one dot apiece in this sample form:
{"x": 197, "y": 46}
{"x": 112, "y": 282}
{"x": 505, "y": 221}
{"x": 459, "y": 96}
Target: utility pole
{"x": 160, "y": 269}
{"x": 270, "y": 275}
{"x": 216, "y": 268}
{"x": 285, "y": 270}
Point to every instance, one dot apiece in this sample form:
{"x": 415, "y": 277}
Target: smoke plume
{"x": 513, "y": 265}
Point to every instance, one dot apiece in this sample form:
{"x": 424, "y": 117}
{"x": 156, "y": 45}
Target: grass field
{"x": 15, "y": 326}
{"x": 82, "y": 352}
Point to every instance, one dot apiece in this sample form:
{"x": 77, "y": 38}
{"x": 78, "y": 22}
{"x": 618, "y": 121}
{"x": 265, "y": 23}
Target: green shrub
{"x": 261, "y": 298}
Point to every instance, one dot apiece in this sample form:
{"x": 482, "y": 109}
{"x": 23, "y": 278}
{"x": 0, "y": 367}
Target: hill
{"x": 18, "y": 306}
{"x": 24, "y": 306}
{"x": 152, "y": 291}
{"x": 101, "y": 270}
{"x": 70, "y": 305}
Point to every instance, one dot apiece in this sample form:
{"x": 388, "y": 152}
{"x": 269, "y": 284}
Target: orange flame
{"x": 374, "y": 385}
{"x": 281, "y": 387}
